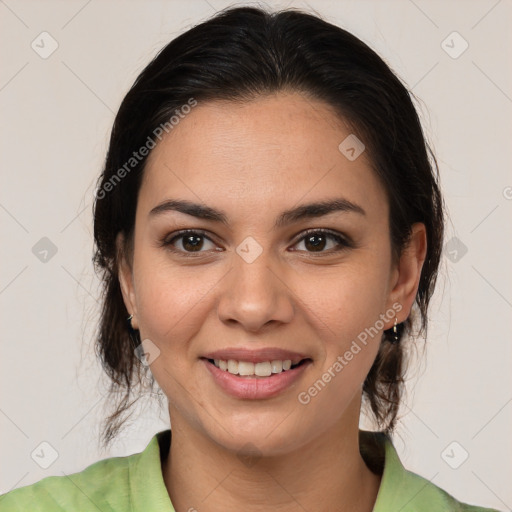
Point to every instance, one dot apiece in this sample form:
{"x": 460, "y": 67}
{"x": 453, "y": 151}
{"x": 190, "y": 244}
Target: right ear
{"x": 125, "y": 276}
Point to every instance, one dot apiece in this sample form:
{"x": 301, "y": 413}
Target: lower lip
{"x": 254, "y": 388}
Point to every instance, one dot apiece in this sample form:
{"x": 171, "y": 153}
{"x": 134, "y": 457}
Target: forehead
{"x": 277, "y": 148}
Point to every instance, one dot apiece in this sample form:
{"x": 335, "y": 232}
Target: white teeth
{"x": 233, "y": 366}
{"x": 262, "y": 369}
{"x": 276, "y": 366}
{"x": 246, "y": 368}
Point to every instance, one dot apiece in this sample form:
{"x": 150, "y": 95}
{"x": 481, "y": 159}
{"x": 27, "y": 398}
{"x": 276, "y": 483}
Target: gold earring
{"x": 395, "y": 331}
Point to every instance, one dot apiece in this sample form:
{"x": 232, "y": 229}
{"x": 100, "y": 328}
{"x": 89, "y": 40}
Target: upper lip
{"x": 256, "y": 356}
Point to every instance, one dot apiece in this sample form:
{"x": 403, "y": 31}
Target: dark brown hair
{"x": 237, "y": 55}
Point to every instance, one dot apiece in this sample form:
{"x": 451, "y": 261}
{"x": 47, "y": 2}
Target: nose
{"x": 255, "y": 294}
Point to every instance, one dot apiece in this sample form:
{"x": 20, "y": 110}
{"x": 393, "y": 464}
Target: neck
{"x": 326, "y": 474}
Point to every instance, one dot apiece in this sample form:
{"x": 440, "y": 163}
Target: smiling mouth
{"x": 251, "y": 370}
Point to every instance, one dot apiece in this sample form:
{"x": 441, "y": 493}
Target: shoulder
{"x": 404, "y": 490}
{"x": 424, "y": 496}
{"x": 105, "y": 482}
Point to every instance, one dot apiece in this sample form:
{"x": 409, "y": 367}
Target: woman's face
{"x": 250, "y": 285}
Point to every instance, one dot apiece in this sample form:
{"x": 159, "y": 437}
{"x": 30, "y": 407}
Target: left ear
{"x": 408, "y": 272}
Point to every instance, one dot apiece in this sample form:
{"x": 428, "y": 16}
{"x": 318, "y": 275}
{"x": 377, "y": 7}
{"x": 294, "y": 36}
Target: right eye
{"x": 191, "y": 241}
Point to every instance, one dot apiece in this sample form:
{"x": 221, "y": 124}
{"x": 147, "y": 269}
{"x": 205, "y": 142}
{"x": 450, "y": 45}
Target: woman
{"x": 270, "y": 223}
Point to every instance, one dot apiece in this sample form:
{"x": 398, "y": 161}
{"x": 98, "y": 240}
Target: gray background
{"x": 57, "y": 111}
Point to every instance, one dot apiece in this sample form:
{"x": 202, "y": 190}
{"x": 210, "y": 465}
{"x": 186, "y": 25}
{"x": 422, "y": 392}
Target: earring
{"x": 395, "y": 332}
{"x": 129, "y": 320}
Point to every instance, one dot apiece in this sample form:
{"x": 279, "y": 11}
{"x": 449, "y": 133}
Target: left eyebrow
{"x": 319, "y": 209}
{"x": 305, "y": 211}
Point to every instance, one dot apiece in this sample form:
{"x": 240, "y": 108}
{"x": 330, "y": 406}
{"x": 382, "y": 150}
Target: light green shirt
{"x": 135, "y": 483}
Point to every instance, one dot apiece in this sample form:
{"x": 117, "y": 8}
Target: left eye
{"x": 316, "y": 241}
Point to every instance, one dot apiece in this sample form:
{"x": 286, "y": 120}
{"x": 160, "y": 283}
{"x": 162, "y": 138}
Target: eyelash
{"x": 342, "y": 241}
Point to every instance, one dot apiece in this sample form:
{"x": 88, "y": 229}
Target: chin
{"x": 258, "y": 435}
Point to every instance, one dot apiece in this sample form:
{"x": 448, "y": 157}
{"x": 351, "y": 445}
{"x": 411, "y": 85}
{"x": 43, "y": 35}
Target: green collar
{"x": 400, "y": 490}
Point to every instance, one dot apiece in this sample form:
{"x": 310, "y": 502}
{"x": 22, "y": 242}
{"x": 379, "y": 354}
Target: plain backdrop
{"x": 65, "y": 69}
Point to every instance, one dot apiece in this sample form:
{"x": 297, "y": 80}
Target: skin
{"x": 253, "y": 161}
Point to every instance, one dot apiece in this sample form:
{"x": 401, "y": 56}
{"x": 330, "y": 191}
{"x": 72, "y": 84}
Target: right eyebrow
{"x": 196, "y": 210}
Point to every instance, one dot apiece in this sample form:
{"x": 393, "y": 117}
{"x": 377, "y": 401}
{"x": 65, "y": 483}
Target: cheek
{"x": 167, "y": 301}
{"x": 344, "y": 317}
{"x": 172, "y": 300}
{"x": 344, "y": 308}
{"x": 345, "y": 300}
{"x": 172, "y": 305}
